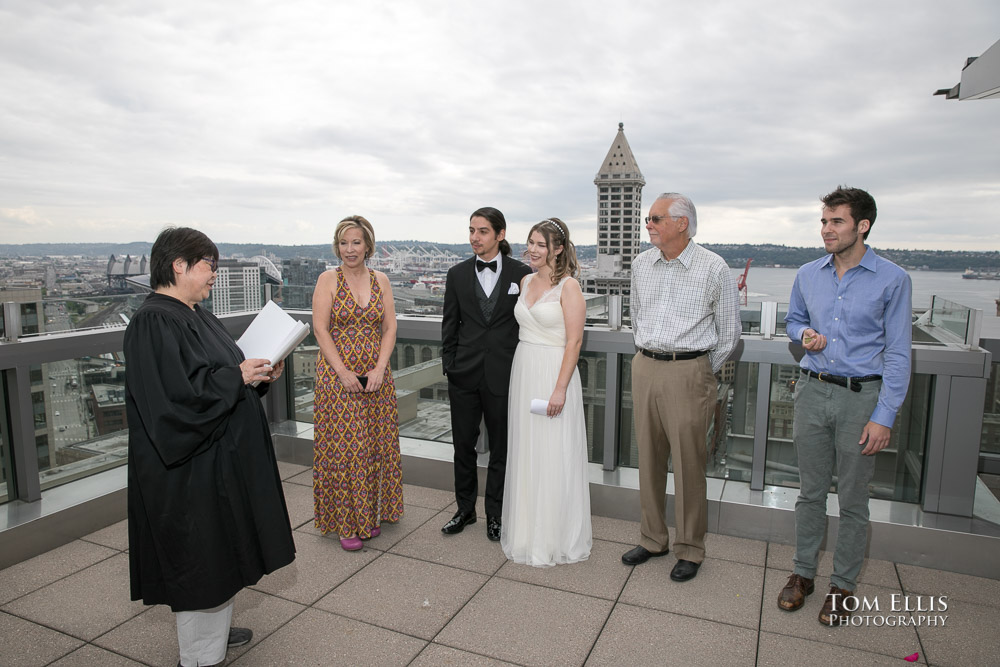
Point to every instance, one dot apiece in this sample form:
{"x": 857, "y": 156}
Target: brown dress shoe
{"x": 833, "y": 611}
{"x": 793, "y": 595}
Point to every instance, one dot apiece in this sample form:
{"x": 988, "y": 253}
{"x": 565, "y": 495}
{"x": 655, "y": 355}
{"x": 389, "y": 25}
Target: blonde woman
{"x": 546, "y": 505}
{"x": 357, "y": 479}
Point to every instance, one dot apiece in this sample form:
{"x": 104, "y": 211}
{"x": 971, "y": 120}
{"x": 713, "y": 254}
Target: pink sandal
{"x": 351, "y": 543}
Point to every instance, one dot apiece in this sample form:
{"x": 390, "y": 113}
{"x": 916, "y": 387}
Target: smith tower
{"x": 619, "y": 208}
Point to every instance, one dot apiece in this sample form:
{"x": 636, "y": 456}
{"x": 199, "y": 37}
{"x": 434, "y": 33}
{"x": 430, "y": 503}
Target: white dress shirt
{"x": 488, "y": 279}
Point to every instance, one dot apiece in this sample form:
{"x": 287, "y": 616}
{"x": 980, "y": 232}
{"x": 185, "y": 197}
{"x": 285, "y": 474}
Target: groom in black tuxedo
{"x": 478, "y": 337}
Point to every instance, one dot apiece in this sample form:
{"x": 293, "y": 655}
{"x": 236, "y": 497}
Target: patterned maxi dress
{"x": 357, "y": 479}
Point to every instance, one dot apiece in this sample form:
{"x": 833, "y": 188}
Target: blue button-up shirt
{"x": 866, "y": 317}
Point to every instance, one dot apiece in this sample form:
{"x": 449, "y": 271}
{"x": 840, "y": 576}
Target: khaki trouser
{"x": 673, "y": 404}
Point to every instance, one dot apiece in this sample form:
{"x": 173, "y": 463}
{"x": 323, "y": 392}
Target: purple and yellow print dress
{"x": 357, "y": 479}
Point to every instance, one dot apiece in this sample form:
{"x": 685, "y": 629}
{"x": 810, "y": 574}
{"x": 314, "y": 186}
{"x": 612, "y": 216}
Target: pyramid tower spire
{"x": 620, "y": 163}
{"x": 619, "y": 204}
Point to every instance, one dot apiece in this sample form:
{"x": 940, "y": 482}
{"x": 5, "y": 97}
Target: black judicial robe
{"x": 206, "y": 513}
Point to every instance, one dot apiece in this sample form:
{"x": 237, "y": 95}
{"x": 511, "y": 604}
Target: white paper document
{"x": 539, "y": 406}
{"x": 272, "y": 335}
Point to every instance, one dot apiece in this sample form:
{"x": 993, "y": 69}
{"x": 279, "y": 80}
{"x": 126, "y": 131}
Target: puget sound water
{"x": 775, "y": 284}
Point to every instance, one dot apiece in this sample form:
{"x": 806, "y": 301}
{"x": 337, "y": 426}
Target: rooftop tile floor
{"x": 416, "y": 597}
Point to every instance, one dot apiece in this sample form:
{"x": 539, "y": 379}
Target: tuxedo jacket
{"x": 473, "y": 349}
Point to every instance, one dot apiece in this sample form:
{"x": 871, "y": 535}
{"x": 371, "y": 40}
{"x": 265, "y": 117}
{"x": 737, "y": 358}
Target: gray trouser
{"x": 828, "y": 424}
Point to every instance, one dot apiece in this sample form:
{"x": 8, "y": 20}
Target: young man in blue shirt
{"x": 851, "y": 310}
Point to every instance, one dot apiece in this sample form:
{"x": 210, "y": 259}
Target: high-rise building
{"x": 619, "y": 206}
{"x": 237, "y": 287}
{"x": 299, "y": 276}
{"x": 619, "y": 220}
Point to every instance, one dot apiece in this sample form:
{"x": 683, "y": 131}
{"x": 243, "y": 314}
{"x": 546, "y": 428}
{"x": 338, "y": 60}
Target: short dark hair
{"x": 177, "y": 243}
{"x": 497, "y": 221}
{"x": 861, "y": 203}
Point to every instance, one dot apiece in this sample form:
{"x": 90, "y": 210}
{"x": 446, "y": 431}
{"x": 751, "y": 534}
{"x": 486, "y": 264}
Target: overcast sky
{"x": 270, "y": 121}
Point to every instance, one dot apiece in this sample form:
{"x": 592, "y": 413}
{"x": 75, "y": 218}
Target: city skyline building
{"x": 237, "y": 287}
{"x": 619, "y": 183}
{"x": 619, "y": 207}
{"x": 299, "y": 276}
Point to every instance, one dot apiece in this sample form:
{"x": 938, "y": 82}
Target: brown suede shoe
{"x": 793, "y": 595}
{"x": 833, "y": 611}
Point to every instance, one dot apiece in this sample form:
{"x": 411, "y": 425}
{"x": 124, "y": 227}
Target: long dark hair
{"x": 497, "y": 221}
{"x": 556, "y": 235}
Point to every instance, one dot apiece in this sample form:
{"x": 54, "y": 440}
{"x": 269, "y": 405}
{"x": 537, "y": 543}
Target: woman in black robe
{"x": 206, "y": 513}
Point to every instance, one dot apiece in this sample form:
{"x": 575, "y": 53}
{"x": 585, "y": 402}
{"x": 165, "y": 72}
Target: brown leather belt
{"x": 853, "y": 383}
{"x": 672, "y": 356}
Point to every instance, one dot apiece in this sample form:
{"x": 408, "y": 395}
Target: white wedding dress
{"x": 546, "y": 499}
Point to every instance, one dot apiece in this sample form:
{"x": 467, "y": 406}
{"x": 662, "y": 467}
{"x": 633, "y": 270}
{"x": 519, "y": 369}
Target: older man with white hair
{"x": 686, "y": 322}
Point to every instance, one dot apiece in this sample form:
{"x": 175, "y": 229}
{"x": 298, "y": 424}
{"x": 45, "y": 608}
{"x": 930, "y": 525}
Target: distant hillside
{"x": 735, "y": 255}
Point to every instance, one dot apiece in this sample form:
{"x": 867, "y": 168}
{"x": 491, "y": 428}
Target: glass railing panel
{"x": 421, "y": 387}
{"x": 421, "y": 390}
{"x": 750, "y": 318}
{"x": 6, "y": 468}
{"x": 628, "y": 445}
{"x": 752, "y": 313}
{"x": 729, "y": 442}
{"x": 951, "y": 317}
{"x": 780, "y": 462}
{"x": 736, "y": 417}
{"x": 990, "y": 442}
{"x": 422, "y": 296}
{"x": 899, "y": 468}
{"x": 779, "y": 329}
{"x": 598, "y": 309}
{"x": 294, "y": 297}
{"x": 80, "y": 424}
{"x": 592, "y": 367}
{"x": 87, "y": 313}
{"x": 302, "y": 365}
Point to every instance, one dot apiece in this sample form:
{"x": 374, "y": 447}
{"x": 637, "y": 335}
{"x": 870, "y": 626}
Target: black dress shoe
{"x": 493, "y": 528}
{"x": 684, "y": 570}
{"x": 458, "y": 522}
{"x": 239, "y": 637}
{"x": 640, "y": 555}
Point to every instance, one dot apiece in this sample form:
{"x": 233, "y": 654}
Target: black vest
{"x": 487, "y": 303}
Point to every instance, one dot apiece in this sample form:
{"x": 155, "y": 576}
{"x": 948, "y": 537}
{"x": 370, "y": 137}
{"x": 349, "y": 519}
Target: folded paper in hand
{"x": 539, "y": 406}
{"x": 272, "y": 335}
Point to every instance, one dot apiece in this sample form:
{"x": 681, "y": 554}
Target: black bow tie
{"x": 492, "y": 266}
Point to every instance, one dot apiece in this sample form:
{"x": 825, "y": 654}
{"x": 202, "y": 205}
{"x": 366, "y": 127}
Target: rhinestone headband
{"x": 558, "y": 229}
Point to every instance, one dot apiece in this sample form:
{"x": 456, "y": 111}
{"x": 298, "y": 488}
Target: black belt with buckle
{"x": 672, "y": 356}
{"x": 847, "y": 382}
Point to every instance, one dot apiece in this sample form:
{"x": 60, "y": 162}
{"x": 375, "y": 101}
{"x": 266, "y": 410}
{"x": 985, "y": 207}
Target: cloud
{"x": 268, "y": 122}
{"x": 23, "y": 220}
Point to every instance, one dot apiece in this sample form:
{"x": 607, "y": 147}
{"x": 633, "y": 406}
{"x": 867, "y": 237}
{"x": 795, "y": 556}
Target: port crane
{"x": 741, "y": 284}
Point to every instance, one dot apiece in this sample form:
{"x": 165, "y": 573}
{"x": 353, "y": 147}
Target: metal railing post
{"x": 612, "y": 408}
{"x": 11, "y": 321}
{"x": 22, "y": 435}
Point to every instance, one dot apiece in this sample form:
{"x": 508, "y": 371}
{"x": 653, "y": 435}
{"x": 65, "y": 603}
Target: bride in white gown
{"x": 546, "y": 503}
